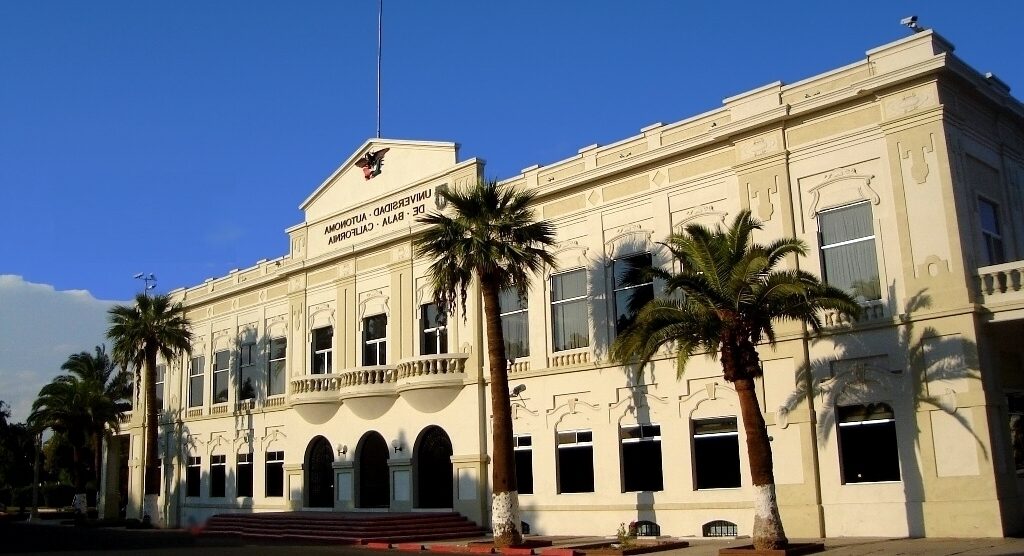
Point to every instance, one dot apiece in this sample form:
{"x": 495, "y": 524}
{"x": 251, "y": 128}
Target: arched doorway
{"x": 432, "y": 465}
{"x": 319, "y": 474}
{"x": 372, "y": 472}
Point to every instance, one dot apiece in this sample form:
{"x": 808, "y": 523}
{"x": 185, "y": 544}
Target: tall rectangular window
{"x": 247, "y": 379}
{"x": 275, "y": 367}
{"x": 323, "y": 349}
{"x": 641, "y": 458}
{"x": 716, "y": 453}
{"x": 570, "y": 327}
{"x": 847, "y": 238}
{"x": 218, "y": 475}
{"x": 990, "y": 233}
{"x": 1015, "y": 411}
{"x": 515, "y": 326}
{"x": 631, "y": 291}
{"x": 195, "y": 381}
{"x": 433, "y": 330}
{"x": 867, "y": 443}
{"x": 523, "y": 446}
{"x": 161, "y": 375}
{"x": 575, "y": 461}
{"x": 375, "y": 340}
{"x": 193, "y": 472}
{"x": 243, "y": 475}
{"x": 221, "y": 363}
{"x": 274, "y": 472}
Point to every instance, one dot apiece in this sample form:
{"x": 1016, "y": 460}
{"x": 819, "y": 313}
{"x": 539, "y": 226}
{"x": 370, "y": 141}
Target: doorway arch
{"x": 432, "y": 468}
{"x": 372, "y": 473}
{"x": 319, "y": 474}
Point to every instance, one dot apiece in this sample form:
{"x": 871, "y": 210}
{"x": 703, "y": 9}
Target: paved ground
{"x": 24, "y": 538}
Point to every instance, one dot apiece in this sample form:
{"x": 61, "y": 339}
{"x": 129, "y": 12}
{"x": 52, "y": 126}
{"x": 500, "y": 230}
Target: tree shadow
{"x": 865, "y": 370}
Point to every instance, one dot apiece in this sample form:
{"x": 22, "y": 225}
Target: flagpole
{"x": 380, "y": 28}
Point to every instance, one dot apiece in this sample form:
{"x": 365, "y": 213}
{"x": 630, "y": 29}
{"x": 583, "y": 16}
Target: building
{"x": 323, "y": 379}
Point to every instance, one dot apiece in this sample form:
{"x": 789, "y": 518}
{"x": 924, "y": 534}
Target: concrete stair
{"x": 343, "y": 527}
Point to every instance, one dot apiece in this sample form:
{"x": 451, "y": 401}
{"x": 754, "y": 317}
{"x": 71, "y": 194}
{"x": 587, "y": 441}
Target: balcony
{"x": 369, "y": 389}
{"x": 1000, "y": 291}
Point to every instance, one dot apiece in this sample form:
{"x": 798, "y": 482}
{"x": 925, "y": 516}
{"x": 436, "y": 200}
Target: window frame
{"x": 843, "y": 425}
{"x": 697, "y": 439}
{"x": 193, "y": 485}
{"x": 439, "y": 330}
{"x": 221, "y": 373}
{"x": 271, "y": 361}
{"x": 642, "y": 439}
{"x": 327, "y": 354}
{"x": 379, "y": 343}
{"x": 630, "y": 289}
{"x": 159, "y": 380}
{"x": 273, "y": 458}
{"x": 247, "y": 363}
{"x": 218, "y": 475}
{"x": 576, "y": 444}
{"x": 991, "y": 240}
{"x": 522, "y": 312}
{"x": 556, "y": 303}
{"x": 196, "y": 387}
{"x": 243, "y": 489}
{"x": 873, "y": 238}
{"x": 523, "y": 443}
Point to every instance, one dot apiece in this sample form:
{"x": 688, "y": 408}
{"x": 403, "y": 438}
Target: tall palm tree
{"x": 724, "y": 302}
{"x": 152, "y": 326}
{"x": 490, "y": 235}
{"x": 81, "y": 405}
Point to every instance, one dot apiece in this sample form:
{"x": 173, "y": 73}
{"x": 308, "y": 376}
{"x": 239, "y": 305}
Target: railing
{"x": 245, "y": 405}
{"x": 275, "y": 401}
{"x": 125, "y": 417}
{"x": 425, "y": 365}
{"x": 568, "y": 359}
{"x": 316, "y": 383}
{"x": 368, "y": 375}
{"x": 219, "y": 409}
{"x": 519, "y": 367}
{"x": 870, "y": 311}
{"x": 1001, "y": 283}
{"x": 194, "y": 412}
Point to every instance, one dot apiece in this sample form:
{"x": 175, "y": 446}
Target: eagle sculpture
{"x": 371, "y": 163}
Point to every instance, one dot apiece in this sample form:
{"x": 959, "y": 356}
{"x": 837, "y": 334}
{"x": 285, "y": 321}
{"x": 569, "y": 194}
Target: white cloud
{"x": 39, "y": 328}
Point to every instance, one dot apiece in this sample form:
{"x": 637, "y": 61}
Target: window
{"x": 575, "y": 461}
{"x": 193, "y": 472}
{"x": 515, "y": 328}
{"x": 247, "y": 378}
{"x": 641, "y": 458}
{"x": 275, "y": 369}
{"x": 375, "y": 340}
{"x": 523, "y": 446}
{"x": 275, "y": 474}
{"x": 847, "y": 237}
{"x": 989, "y": 215}
{"x": 433, "y": 330}
{"x": 867, "y": 444}
{"x": 161, "y": 375}
{"x": 243, "y": 475}
{"x": 221, "y": 362}
{"x": 218, "y": 475}
{"x": 570, "y": 328}
{"x": 323, "y": 348}
{"x": 195, "y": 381}
{"x": 630, "y": 294}
{"x": 716, "y": 453}
{"x": 719, "y": 528}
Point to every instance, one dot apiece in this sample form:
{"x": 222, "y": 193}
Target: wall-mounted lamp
{"x": 518, "y": 390}
{"x": 397, "y": 445}
{"x": 342, "y": 449}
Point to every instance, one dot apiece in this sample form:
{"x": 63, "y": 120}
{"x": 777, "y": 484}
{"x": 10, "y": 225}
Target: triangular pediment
{"x": 390, "y": 166}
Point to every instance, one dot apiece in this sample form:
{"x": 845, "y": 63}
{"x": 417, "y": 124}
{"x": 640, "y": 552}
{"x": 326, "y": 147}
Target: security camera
{"x": 911, "y": 22}
{"x": 519, "y": 390}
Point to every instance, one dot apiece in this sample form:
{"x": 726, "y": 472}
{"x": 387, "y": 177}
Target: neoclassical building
{"x": 325, "y": 378}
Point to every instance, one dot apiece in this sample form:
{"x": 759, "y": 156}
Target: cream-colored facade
{"x": 928, "y": 148}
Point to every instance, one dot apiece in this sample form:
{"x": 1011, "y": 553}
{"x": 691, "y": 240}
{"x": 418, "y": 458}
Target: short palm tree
{"x": 60, "y": 407}
{"x": 489, "y": 234}
{"x": 724, "y": 302}
{"x": 153, "y": 326}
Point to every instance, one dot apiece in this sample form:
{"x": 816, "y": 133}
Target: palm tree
{"x": 491, "y": 236}
{"x": 153, "y": 326}
{"x": 725, "y": 301}
{"x": 81, "y": 405}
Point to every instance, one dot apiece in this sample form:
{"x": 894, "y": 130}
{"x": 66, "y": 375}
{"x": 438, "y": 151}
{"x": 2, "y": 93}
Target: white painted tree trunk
{"x": 768, "y": 532}
{"x": 505, "y": 514}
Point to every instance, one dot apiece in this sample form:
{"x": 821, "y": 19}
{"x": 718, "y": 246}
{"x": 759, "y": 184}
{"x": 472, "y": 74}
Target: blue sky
{"x": 180, "y": 137}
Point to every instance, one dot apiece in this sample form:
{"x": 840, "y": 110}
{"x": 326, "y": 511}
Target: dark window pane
{"x": 716, "y": 453}
{"x": 278, "y": 348}
{"x": 867, "y": 444}
{"x": 641, "y": 466}
{"x": 221, "y": 360}
{"x": 217, "y": 478}
{"x": 575, "y": 469}
{"x": 195, "y": 391}
{"x": 220, "y": 386}
{"x": 524, "y": 471}
{"x": 243, "y": 478}
{"x": 192, "y": 477}
{"x": 569, "y": 285}
{"x": 509, "y": 301}
{"x": 275, "y": 479}
{"x": 276, "y": 378}
{"x": 323, "y": 338}
{"x": 375, "y": 327}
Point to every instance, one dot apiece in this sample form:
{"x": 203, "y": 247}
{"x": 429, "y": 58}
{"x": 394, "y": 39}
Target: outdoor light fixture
{"x": 397, "y": 445}
{"x": 342, "y": 449}
{"x": 911, "y": 23}
{"x": 146, "y": 277}
{"x": 518, "y": 390}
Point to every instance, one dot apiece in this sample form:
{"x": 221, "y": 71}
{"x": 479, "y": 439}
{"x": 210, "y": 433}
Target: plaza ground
{"x": 28, "y": 538}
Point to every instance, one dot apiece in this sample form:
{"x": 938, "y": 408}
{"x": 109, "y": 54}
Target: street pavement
{"x": 52, "y": 538}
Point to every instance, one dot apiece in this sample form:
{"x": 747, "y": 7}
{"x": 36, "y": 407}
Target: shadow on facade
{"x": 862, "y": 384}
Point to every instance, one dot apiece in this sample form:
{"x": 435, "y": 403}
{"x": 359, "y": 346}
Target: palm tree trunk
{"x": 505, "y": 496}
{"x": 97, "y": 442}
{"x": 152, "y": 475}
{"x": 768, "y": 533}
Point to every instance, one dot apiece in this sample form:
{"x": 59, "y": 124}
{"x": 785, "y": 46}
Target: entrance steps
{"x": 343, "y": 527}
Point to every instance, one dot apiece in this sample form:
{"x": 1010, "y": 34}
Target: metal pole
{"x": 380, "y": 30}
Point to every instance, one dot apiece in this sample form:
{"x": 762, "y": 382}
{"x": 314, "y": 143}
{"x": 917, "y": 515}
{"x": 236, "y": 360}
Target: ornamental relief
{"x": 373, "y": 302}
{"x": 841, "y": 186}
{"x": 571, "y": 253}
{"x": 321, "y": 314}
{"x": 908, "y": 102}
{"x": 707, "y": 215}
{"x": 628, "y": 239}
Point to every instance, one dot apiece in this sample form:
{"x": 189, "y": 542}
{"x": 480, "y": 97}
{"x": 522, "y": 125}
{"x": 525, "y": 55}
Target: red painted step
{"x": 344, "y": 527}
